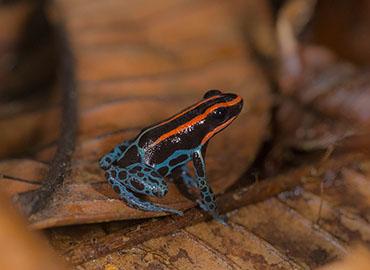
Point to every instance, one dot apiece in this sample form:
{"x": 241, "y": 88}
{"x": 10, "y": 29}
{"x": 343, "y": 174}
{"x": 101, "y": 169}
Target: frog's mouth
{"x": 217, "y": 130}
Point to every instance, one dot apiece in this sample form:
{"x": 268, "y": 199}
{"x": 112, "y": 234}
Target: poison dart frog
{"x": 139, "y": 166}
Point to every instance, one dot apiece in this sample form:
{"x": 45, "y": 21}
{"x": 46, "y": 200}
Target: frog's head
{"x": 217, "y": 112}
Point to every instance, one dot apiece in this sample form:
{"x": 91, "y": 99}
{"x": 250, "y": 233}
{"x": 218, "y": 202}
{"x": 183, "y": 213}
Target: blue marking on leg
{"x": 136, "y": 202}
{"x": 144, "y": 179}
{"x": 207, "y": 201}
{"x": 107, "y": 160}
{"x": 122, "y": 181}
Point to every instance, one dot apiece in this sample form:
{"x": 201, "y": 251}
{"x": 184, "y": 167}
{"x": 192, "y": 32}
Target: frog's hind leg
{"x": 136, "y": 202}
{"x": 145, "y": 180}
{"x": 126, "y": 184}
{"x": 188, "y": 180}
{"x": 107, "y": 160}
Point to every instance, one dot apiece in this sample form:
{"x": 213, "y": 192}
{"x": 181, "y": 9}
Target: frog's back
{"x": 182, "y": 132}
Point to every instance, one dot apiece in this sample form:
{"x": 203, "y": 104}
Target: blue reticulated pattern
{"x": 140, "y": 166}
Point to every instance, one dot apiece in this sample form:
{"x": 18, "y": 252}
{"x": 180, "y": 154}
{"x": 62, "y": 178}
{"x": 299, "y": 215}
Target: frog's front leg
{"x": 189, "y": 181}
{"x": 207, "y": 202}
{"x": 139, "y": 178}
{"x": 107, "y": 160}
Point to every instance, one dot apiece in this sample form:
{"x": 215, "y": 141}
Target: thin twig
{"x": 34, "y": 201}
{"x": 326, "y": 157}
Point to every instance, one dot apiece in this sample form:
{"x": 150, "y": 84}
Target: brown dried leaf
{"x": 20, "y": 248}
{"x": 358, "y": 258}
{"x": 126, "y": 79}
{"x": 329, "y": 109}
{"x": 301, "y": 228}
{"x": 314, "y": 75}
{"x": 344, "y": 29}
{"x": 323, "y": 102}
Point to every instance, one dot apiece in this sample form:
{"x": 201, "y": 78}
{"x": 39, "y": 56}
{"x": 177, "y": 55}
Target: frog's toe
{"x": 221, "y": 218}
{"x": 175, "y": 211}
{"x": 105, "y": 162}
{"x": 102, "y": 164}
{"x": 202, "y": 205}
{"x": 171, "y": 211}
{"x": 211, "y": 209}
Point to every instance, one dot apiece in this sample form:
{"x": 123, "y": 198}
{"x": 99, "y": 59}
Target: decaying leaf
{"x": 322, "y": 101}
{"x": 157, "y": 71}
{"x": 20, "y": 248}
{"x": 309, "y": 224}
{"x": 358, "y": 258}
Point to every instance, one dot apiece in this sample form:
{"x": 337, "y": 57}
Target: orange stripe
{"x": 217, "y": 129}
{"x": 196, "y": 119}
{"x": 186, "y": 111}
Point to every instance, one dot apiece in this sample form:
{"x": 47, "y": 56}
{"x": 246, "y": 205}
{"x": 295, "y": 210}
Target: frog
{"x": 140, "y": 166}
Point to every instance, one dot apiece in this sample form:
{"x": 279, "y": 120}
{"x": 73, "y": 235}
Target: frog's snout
{"x": 240, "y": 104}
{"x": 234, "y": 102}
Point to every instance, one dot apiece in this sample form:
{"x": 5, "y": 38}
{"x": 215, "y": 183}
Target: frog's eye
{"x": 211, "y": 93}
{"x": 219, "y": 114}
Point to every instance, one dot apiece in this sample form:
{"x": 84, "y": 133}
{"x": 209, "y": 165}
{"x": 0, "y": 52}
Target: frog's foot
{"x": 222, "y": 219}
{"x": 106, "y": 161}
{"x": 136, "y": 202}
{"x": 135, "y": 179}
{"x": 212, "y": 210}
